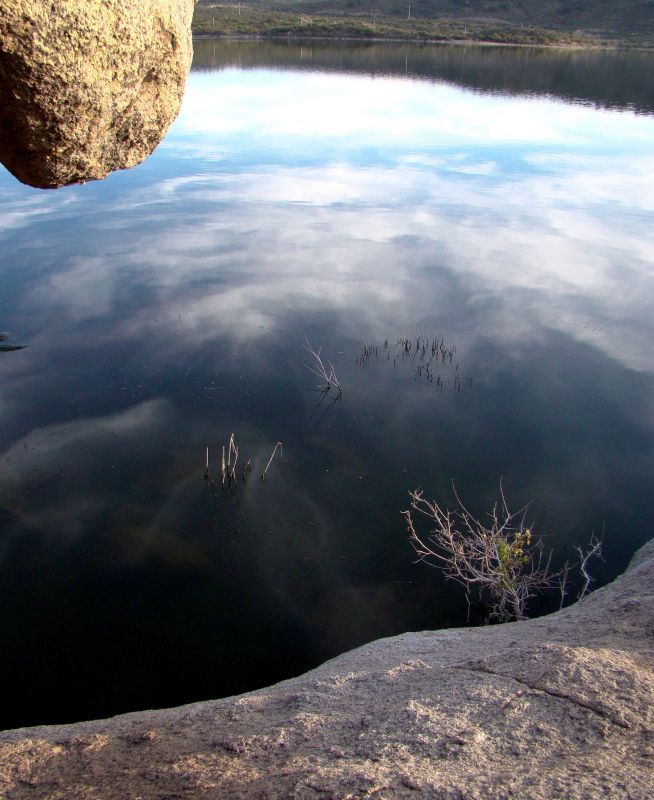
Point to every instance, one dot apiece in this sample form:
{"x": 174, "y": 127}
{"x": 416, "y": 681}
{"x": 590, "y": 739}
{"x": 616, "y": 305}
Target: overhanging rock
{"x": 88, "y": 86}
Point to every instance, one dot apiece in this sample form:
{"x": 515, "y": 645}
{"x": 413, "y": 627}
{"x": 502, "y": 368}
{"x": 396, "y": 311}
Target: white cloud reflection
{"x": 21, "y": 207}
{"x": 521, "y": 200}
{"x": 388, "y": 112}
{"x": 55, "y": 450}
{"x": 356, "y": 241}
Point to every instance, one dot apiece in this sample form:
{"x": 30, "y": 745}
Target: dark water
{"x": 167, "y": 307}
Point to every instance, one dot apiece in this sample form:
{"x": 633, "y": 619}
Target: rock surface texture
{"x": 560, "y": 707}
{"x": 88, "y": 86}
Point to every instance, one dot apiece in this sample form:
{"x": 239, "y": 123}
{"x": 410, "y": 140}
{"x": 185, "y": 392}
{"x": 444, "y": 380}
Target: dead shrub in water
{"x": 499, "y": 559}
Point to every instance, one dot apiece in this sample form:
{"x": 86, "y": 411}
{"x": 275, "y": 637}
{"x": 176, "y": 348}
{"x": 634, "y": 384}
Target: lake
{"x": 466, "y": 232}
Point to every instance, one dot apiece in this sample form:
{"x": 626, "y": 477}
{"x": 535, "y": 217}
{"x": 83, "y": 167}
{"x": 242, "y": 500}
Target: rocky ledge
{"x": 88, "y": 87}
{"x": 557, "y": 707}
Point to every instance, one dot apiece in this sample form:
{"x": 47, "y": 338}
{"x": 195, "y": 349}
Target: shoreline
{"x": 295, "y": 38}
{"x": 232, "y": 22}
{"x": 415, "y": 716}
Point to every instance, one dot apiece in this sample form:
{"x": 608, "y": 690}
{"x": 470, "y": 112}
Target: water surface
{"x": 303, "y": 194}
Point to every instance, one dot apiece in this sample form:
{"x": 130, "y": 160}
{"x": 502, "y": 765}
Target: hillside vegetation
{"x": 515, "y": 21}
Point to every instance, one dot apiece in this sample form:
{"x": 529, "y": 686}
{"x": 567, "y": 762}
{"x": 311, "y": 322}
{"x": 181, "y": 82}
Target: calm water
{"x": 497, "y": 201}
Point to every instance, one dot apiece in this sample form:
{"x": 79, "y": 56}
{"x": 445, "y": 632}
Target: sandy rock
{"x": 88, "y": 86}
{"x": 552, "y": 708}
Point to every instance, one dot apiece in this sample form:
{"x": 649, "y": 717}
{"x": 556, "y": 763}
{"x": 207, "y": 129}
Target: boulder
{"x": 557, "y": 707}
{"x": 88, "y": 86}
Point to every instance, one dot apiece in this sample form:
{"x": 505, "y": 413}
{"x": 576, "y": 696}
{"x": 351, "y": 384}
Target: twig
{"x": 563, "y": 583}
{"x": 279, "y": 444}
{"x": 328, "y": 378}
{"x": 595, "y": 550}
{"x": 231, "y": 468}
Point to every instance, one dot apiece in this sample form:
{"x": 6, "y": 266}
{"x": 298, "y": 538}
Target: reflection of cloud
{"x": 84, "y": 289}
{"x": 386, "y": 112}
{"x": 561, "y": 243}
{"x": 538, "y": 206}
{"x": 72, "y": 448}
{"x": 29, "y": 206}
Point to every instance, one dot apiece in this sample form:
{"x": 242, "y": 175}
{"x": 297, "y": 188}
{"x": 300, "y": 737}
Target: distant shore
{"x": 232, "y": 22}
{"x": 300, "y": 38}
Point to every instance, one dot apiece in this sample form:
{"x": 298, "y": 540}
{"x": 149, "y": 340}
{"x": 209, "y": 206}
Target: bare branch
{"x": 594, "y": 551}
{"x": 497, "y": 559}
{"x": 328, "y": 378}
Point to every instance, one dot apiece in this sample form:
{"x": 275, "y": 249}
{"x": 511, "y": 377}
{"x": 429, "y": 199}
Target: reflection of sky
{"x": 529, "y": 193}
{"x": 167, "y": 306}
{"x": 524, "y": 193}
{"x": 344, "y": 112}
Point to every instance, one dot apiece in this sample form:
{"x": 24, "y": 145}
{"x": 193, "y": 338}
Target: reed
{"x": 229, "y": 460}
{"x": 428, "y": 356}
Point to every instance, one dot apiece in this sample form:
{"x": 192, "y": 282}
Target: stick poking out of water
{"x": 328, "y": 378}
{"x": 233, "y": 449}
{"x": 281, "y": 450}
{"x": 246, "y": 471}
{"x": 228, "y": 469}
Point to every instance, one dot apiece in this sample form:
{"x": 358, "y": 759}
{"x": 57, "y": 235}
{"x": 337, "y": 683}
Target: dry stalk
{"x": 233, "y": 451}
{"x": 281, "y": 450}
{"x": 229, "y": 459}
{"x": 228, "y": 468}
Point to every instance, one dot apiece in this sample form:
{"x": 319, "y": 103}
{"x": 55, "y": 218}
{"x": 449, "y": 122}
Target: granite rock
{"x": 557, "y": 707}
{"x": 88, "y": 86}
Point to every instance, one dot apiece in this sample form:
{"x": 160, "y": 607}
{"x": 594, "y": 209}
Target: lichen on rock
{"x": 88, "y": 87}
